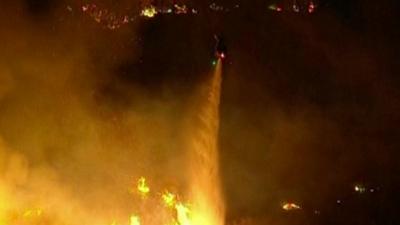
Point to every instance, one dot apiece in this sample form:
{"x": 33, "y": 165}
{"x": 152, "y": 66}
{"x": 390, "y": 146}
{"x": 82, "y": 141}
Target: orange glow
{"x": 290, "y": 206}
{"x": 200, "y": 204}
{"x": 32, "y": 213}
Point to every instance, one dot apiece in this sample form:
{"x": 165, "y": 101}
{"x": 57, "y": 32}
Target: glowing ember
{"x": 149, "y": 12}
{"x": 275, "y": 7}
{"x": 311, "y": 7}
{"x": 290, "y": 206}
{"x": 169, "y": 199}
{"x": 180, "y": 9}
{"x": 359, "y": 188}
{"x": 142, "y": 187}
{"x": 105, "y": 17}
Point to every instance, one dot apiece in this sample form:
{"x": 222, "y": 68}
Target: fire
{"x": 169, "y": 199}
{"x": 205, "y": 197}
{"x": 149, "y": 12}
{"x": 134, "y": 220}
{"x": 142, "y": 187}
{"x": 183, "y": 214}
{"x": 182, "y": 210}
{"x": 180, "y": 213}
{"x": 290, "y": 206}
{"x": 201, "y": 204}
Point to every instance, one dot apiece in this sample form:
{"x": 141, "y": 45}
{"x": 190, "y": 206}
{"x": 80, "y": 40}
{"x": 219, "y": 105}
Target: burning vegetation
{"x": 102, "y": 123}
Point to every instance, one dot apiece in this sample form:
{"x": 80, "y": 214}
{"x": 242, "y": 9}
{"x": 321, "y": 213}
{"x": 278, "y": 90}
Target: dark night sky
{"x": 310, "y": 103}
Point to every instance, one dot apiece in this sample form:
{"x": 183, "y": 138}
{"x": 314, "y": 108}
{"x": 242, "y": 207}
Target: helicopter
{"x": 220, "y": 49}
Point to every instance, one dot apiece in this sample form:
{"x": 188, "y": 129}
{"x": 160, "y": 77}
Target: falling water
{"x": 206, "y": 195}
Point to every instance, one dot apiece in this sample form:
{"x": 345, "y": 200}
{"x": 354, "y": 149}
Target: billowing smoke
{"x": 309, "y": 105}
{"x": 74, "y": 138}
